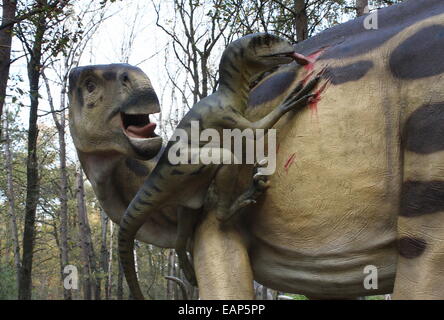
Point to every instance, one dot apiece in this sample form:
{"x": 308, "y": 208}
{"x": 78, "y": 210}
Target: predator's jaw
{"x": 280, "y": 57}
{"x": 267, "y": 51}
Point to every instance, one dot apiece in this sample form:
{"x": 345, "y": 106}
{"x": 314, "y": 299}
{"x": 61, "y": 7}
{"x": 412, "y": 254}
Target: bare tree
{"x": 81, "y": 34}
{"x": 104, "y": 221}
{"x": 11, "y": 199}
{"x": 10, "y": 18}
{"x": 91, "y": 276}
{"x": 34, "y": 39}
{"x": 109, "y": 285}
{"x": 9, "y": 8}
{"x": 119, "y": 293}
{"x": 361, "y": 5}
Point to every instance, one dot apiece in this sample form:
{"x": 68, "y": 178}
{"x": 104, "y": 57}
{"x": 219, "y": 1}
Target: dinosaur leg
{"x": 258, "y": 186}
{"x": 186, "y": 221}
{"x": 221, "y": 260}
{"x": 420, "y": 267}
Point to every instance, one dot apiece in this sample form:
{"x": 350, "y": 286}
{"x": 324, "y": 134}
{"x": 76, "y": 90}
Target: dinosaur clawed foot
{"x": 259, "y": 185}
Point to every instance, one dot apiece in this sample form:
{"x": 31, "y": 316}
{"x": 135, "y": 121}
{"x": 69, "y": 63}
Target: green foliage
{"x": 380, "y": 297}
{"x": 8, "y": 283}
{"x": 298, "y": 297}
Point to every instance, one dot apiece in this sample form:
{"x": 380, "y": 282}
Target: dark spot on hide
{"x": 420, "y": 56}
{"x": 136, "y": 167}
{"x": 351, "y": 72}
{"x": 351, "y": 39}
{"x": 422, "y": 197}
{"x": 410, "y": 248}
{"x": 271, "y": 88}
{"x": 80, "y": 96}
{"x": 424, "y": 130}
{"x": 109, "y": 75}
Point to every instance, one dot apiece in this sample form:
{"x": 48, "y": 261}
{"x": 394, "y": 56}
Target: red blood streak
{"x": 313, "y": 57}
{"x": 316, "y": 98}
{"x": 289, "y": 162}
{"x": 309, "y": 74}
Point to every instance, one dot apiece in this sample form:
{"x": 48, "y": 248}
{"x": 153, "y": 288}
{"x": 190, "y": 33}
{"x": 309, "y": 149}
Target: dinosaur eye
{"x": 90, "y": 86}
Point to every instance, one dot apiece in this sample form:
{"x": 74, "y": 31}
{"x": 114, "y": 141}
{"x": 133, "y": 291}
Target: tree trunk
{"x": 63, "y": 192}
{"x": 11, "y": 200}
{"x": 103, "y": 249}
{"x": 119, "y": 293}
{"x": 32, "y": 173}
{"x": 81, "y": 215}
{"x": 110, "y": 262}
{"x": 63, "y": 196}
{"x": 360, "y": 7}
{"x": 301, "y": 20}
{"x": 171, "y": 272}
{"x": 9, "y": 8}
{"x": 89, "y": 260}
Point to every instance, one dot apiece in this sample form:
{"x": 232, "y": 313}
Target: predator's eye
{"x": 90, "y": 86}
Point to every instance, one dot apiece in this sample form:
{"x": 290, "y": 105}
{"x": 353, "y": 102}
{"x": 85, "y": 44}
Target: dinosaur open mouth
{"x": 138, "y": 125}
{"x": 288, "y": 54}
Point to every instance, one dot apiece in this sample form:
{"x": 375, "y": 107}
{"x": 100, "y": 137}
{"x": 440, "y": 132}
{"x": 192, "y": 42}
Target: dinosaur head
{"x": 263, "y": 51}
{"x": 110, "y": 108}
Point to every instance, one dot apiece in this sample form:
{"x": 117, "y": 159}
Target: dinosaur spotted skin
{"x": 241, "y": 61}
{"x": 363, "y": 188}
{"x": 366, "y": 181}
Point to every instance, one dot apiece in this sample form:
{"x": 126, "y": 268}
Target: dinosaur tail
{"x": 134, "y": 217}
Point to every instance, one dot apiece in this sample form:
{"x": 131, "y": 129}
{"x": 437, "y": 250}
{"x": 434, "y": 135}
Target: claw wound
{"x": 313, "y": 102}
{"x": 289, "y": 162}
{"x": 313, "y": 57}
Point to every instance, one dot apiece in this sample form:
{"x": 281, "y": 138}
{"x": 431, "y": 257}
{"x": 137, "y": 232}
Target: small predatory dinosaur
{"x": 185, "y": 185}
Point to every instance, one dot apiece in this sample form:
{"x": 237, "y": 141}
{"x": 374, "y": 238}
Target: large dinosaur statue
{"x": 359, "y": 182}
{"x": 242, "y": 61}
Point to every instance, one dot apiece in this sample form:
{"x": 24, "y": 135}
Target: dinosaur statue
{"x": 242, "y": 61}
{"x": 359, "y": 179}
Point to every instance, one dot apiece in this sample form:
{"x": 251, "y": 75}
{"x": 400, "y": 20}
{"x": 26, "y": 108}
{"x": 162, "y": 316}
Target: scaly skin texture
{"x": 359, "y": 176}
{"x": 354, "y": 175}
{"x": 185, "y": 185}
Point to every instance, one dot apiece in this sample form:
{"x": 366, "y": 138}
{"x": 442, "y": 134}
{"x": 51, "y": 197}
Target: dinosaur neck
{"x": 234, "y": 78}
{"x": 115, "y": 180}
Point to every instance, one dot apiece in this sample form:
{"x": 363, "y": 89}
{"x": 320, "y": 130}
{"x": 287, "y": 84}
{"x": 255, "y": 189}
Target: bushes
{"x": 8, "y": 283}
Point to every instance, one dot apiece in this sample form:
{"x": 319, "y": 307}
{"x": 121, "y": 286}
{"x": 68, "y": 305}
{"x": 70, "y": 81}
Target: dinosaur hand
{"x": 260, "y": 181}
{"x": 259, "y": 185}
{"x": 302, "y": 94}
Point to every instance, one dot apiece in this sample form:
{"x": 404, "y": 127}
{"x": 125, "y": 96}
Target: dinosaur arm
{"x": 296, "y": 100}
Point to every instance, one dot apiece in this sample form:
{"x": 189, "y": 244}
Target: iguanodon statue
{"x": 359, "y": 183}
{"x": 185, "y": 185}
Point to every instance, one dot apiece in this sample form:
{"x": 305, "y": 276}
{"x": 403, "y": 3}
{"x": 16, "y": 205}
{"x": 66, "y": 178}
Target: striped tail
{"x": 134, "y": 217}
